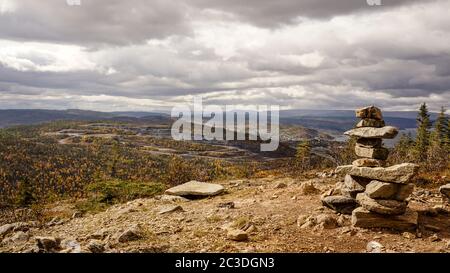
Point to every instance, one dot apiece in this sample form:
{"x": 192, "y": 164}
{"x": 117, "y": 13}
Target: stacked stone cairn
{"x": 374, "y": 194}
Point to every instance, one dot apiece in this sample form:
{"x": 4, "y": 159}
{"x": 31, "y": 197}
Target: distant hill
{"x": 326, "y": 120}
{"x": 342, "y": 120}
{"x": 10, "y": 118}
{"x": 347, "y": 113}
{"x": 343, "y": 123}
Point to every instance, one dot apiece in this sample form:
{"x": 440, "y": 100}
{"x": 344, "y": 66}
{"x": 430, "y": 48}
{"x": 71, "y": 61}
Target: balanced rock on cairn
{"x": 377, "y": 193}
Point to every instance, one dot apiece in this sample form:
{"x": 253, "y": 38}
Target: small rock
{"x": 280, "y": 185}
{"x": 237, "y": 235}
{"x": 375, "y": 247}
{"x": 336, "y": 190}
{"x": 301, "y": 220}
{"x": 327, "y": 221}
{"x": 132, "y": 234}
{"x": 228, "y": 205}
{"x": 5, "y": 229}
{"x": 70, "y": 246}
{"x": 24, "y": 226}
{"x": 310, "y": 222}
{"x": 349, "y": 230}
{"x": 170, "y": 209}
{"x": 77, "y": 214}
{"x": 18, "y": 237}
{"x": 126, "y": 210}
{"x": 96, "y": 246}
{"x": 307, "y": 188}
{"x": 343, "y": 220}
{"x": 55, "y": 222}
{"x": 445, "y": 190}
{"x": 251, "y": 229}
{"x": 408, "y": 235}
{"x": 435, "y": 238}
{"x": 100, "y": 235}
{"x": 48, "y": 243}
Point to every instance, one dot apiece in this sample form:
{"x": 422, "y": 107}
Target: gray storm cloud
{"x": 141, "y": 55}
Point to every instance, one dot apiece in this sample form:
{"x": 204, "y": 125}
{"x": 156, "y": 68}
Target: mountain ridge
{"x": 332, "y": 120}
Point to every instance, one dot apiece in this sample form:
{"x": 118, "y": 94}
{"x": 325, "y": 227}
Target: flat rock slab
{"x": 369, "y": 162}
{"x": 380, "y": 153}
{"x": 363, "y": 218}
{"x": 341, "y": 204}
{"x": 368, "y": 122}
{"x": 387, "y": 132}
{"x": 195, "y": 188}
{"x": 384, "y": 190}
{"x": 387, "y": 207}
{"x": 401, "y": 174}
{"x": 371, "y": 112}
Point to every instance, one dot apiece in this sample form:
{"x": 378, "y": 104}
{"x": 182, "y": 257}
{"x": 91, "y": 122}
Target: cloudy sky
{"x": 113, "y": 55}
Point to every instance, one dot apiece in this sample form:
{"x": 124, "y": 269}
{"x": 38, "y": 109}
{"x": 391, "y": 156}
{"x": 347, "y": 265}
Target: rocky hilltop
{"x": 364, "y": 207}
{"x": 272, "y": 214}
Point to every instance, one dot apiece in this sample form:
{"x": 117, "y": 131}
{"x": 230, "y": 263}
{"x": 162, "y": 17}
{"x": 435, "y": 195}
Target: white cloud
{"x": 44, "y": 57}
{"x": 7, "y": 6}
{"x": 396, "y": 57}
